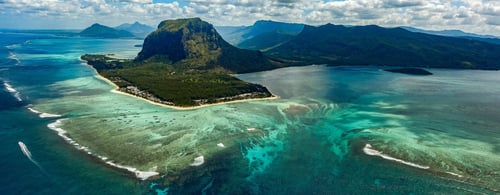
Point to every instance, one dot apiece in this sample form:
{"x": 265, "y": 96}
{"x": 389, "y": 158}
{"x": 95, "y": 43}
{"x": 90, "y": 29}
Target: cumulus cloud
{"x": 402, "y": 3}
{"x": 469, "y": 15}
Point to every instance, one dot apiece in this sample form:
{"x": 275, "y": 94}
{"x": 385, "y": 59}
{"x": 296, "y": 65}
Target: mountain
{"x": 374, "y": 45}
{"x": 458, "y": 33}
{"x": 230, "y": 33}
{"x": 195, "y": 43}
{"x": 448, "y": 33}
{"x": 138, "y": 29}
{"x": 237, "y": 35}
{"x": 265, "y": 41}
{"x": 101, "y": 31}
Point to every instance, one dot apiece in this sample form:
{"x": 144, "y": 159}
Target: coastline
{"x": 117, "y": 91}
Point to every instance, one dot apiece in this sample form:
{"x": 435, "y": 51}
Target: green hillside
{"x": 374, "y": 45}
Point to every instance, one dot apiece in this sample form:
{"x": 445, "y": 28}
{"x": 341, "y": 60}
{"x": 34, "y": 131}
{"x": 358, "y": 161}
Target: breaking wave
{"x": 143, "y": 175}
{"x": 43, "y": 114}
{"x": 13, "y": 91}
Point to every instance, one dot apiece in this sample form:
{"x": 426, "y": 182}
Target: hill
{"x": 374, "y": 45}
{"x": 101, "y": 31}
{"x": 185, "y": 62}
{"x": 238, "y": 35}
{"x": 138, "y": 29}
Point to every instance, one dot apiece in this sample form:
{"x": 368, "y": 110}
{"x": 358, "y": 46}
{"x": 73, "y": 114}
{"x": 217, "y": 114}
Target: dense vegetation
{"x": 101, "y": 31}
{"x": 179, "y": 85}
{"x": 373, "y": 45}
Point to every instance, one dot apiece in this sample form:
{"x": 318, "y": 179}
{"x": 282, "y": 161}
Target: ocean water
{"x": 339, "y": 130}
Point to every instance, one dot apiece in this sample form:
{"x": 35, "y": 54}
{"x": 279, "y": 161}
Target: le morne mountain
{"x": 185, "y": 62}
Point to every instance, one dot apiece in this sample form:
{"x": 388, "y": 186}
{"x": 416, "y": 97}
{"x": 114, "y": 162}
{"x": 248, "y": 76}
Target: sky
{"x": 477, "y": 16}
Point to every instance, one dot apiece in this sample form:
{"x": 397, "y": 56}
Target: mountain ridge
{"x": 374, "y": 45}
{"x": 136, "y": 28}
{"x": 457, "y": 33}
{"x": 238, "y": 35}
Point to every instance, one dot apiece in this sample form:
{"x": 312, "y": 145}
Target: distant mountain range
{"x": 261, "y": 35}
{"x": 135, "y": 30}
{"x": 457, "y": 33}
{"x": 298, "y": 44}
{"x": 281, "y": 44}
{"x": 265, "y": 35}
{"x": 138, "y": 29}
{"x": 374, "y": 45}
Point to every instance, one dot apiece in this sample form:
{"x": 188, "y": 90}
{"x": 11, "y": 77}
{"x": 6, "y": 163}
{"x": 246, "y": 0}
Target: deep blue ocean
{"x": 30, "y": 70}
{"x": 334, "y": 130}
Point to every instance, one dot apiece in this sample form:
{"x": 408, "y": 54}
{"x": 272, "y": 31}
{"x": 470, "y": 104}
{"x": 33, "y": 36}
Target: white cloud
{"x": 469, "y": 15}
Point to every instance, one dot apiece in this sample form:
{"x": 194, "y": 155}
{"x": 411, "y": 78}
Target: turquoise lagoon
{"x": 332, "y": 130}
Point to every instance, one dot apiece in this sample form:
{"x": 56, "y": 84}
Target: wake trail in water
{"x": 372, "y": 152}
{"x": 27, "y": 153}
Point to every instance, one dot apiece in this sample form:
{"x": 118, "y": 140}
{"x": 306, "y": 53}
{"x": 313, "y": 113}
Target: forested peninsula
{"x": 185, "y": 63}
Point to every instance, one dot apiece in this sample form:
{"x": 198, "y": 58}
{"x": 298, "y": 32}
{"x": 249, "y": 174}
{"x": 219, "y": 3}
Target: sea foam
{"x": 14, "y": 57}
{"x": 143, "y": 175}
{"x": 13, "y": 91}
{"x": 198, "y": 161}
{"x": 43, "y": 114}
{"x": 372, "y": 152}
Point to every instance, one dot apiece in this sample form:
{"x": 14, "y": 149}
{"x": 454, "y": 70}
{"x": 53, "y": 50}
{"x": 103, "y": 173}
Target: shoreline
{"x": 117, "y": 91}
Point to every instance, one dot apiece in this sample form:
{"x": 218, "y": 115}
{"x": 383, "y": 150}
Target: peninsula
{"x": 185, "y": 63}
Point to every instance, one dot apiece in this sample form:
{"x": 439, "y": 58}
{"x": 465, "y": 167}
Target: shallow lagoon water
{"x": 310, "y": 140}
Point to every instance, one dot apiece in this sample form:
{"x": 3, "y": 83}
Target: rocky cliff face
{"x": 195, "y": 43}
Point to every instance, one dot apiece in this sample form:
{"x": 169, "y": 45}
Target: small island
{"x": 184, "y": 63}
{"x": 101, "y": 31}
{"x": 410, "y": 71}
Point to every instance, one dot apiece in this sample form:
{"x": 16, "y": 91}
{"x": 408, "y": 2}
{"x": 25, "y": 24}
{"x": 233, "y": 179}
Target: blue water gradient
{"x": 312, "y": 140}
